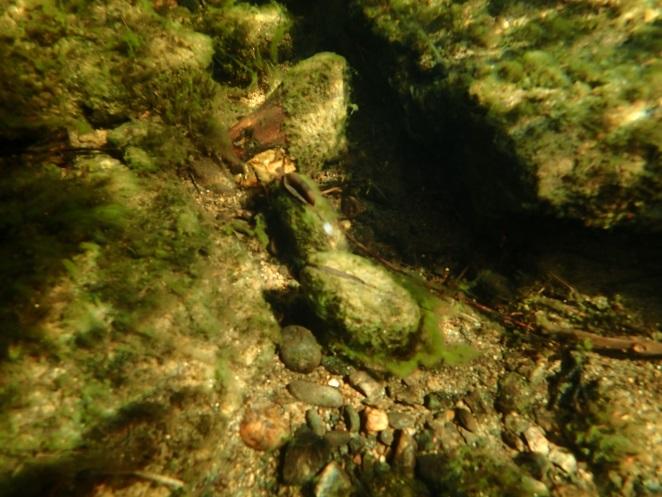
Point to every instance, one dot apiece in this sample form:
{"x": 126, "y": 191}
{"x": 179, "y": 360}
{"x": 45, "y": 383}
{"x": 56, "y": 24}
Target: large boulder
{"x": 544, "y": 106}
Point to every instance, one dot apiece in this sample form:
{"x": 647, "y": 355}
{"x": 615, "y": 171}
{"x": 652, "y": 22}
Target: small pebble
{"x": 406, "y": 394}
{"x": 356, "y": 444}
{"x": 314, "y": 394}
{"x": 535, "y": 439}
{"x": 563, "y": 459}
{"x": 401, "y": 420}
{"x": 314, "y": 422}
{"x": 386, "y": 437}
{"x": 513, "y": 440}
{"x": 466, "y": 419}
{"x": 299, "y": 349}
{"x": 336, "y": 365}
{"x": 476, "y": 402}
{"x": 436, "y": 401}
{"x": 366, "y": 384}
{"x": 338, "y": 438}
{"x": 264, "y": 429}
{"x": 333, "y": 482}
{"x": 404, "y": 456}
{"x": 334, "y": 382}
{"x": 375, "y": 420}
{"x": 352, "y": 420}
{"x": 533, "y": 487}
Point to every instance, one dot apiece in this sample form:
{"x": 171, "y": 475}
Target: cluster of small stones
{"x": 356, "y": 425}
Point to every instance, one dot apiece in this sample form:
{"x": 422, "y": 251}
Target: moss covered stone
{"x": 361, "y": 300}
{"x": 249, "y": 40}
{"x": 307, "y": 220}
{"x": 315, "y": 96}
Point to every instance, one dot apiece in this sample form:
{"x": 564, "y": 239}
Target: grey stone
{"x": 315, "y": 423}
{"x": 333, "y": 482}
{"x": 338, "y": 438}
{"x": 307, "y": 221}
{"x": 404, "y": 454}
{"x": 366, "y": 384}
{"x": 352, "y": 419}
{"x": 514, "y": 394}
{"x": 315, "y": 96}
{"x": 563, "y": 459}
{"x": 314, "y": 394}
{"x": 299, "y": 349}
{"x": 437, "y": 401}
{"x": 536, "y": 440}
{"x": 386, "y": 436}
{"x": 401, "y": 420}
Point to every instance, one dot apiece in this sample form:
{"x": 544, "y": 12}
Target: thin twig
{"x": 333, "y": 189}
{"x": 637, "y": 346}
{"x": 167, "y": 481}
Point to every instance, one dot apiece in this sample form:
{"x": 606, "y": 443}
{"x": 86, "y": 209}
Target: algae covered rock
{"x": 315, "y": 96}
{"x": 305, "y": 114}
{"x": 536, "y": 106}
{"x": 308, "y": 221}
{"x": 361, "y": 300}
{"x": 248, "y": 39}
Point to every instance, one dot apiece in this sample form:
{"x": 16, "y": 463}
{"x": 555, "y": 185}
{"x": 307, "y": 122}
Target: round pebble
{"x": 266, "y": 428}
{"x": 299, "y": 349}
{"x": 314, "y": 394}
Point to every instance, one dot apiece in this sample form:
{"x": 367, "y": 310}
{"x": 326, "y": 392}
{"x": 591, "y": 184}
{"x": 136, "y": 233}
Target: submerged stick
{"x": 637, "y": 346}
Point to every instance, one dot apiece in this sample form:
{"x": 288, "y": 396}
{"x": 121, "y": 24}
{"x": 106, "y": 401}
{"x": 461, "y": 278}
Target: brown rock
{"x": 266, "y": 428}
{"x": 375, "y": 420}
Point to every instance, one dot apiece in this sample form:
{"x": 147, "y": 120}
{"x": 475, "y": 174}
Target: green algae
{"x": 430, "y": 350}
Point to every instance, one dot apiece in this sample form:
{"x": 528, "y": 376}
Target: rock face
{"x": 360, "y": 299}
{"x": 545, "y": 107}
